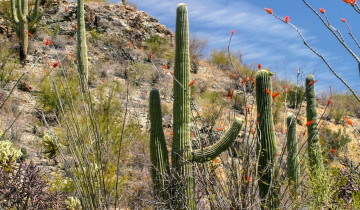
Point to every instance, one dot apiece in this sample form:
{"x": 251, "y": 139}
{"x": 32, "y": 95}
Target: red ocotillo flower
{"x": 322, "y": 10}
{"x": 66, "y": 9}
{"x": 343, "y": 20}
{"x": 253, "y": 80}
{"x": 47, "y": 42}
{"x": 75, "y": 27}
{"x": 329, "y": 102}
{"x": 309, "y": 123}
{"x": 233, "y": 32}
{"x": 287, "y": 19}
{"x": 252, "y": 131}
{"x": 259, "y": 66}
{"x": 55, "y": 64}
{"x": 26, "y": 31}
{"x": 312, "y": 82}
{"x": 270, "y": 11}
{"x": 232, "y": 94}
{"x": 275, "y": 94}
{"x": 234, "y": 75}
{"x": 165, "y": 67}
{"x": 191, "y": 135}
{"x": 129, "y": 44}
{"x": 172, "y": 133}
{"x": 191, "y": 83}
{"x": 282, "y": 131}
{"x": 219, "y": 129}
{"x": 268, "y": 92}
{"x": 245, "y": 80}
{"x": 150, "y": 56}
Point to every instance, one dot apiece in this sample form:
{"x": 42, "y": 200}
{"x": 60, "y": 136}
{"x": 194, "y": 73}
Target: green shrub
{"x": 158, "y": 46}
{"x": 337, "y": 113}
{"x": 333, "y": 141}
{"x": 296, "y": 96}
{"x": 51, "y": 149}
{"x": 8, "y": 64}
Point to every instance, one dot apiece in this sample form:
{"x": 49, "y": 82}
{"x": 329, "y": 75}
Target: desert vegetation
{"x": 111, "y": 110}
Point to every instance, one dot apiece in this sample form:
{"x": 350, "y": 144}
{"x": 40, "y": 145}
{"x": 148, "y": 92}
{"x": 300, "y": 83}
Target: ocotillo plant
{"x": 314, "y": 149}
{"x": 181, "y": 193}
{"x": 293, "y": 163}
{"x": 21, "y": 20}
{"x": 81, "y": 52}
{"x": 266, "y": 137}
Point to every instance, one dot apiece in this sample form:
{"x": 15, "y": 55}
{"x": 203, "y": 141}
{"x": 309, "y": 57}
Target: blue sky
{"x": 263, "y": 39}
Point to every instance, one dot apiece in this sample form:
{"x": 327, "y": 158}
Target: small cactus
{"x": 266, "y": 135}
{"x": 293, "y": 163}
{"x": 22, "y": 20}
{"x": 314, "y": 149}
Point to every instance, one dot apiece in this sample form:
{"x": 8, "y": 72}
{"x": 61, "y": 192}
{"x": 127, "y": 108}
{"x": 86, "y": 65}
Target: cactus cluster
{"x": 177, "y": 189}
{"x": 22, "y": 20}
{"x": 293, "y": 163}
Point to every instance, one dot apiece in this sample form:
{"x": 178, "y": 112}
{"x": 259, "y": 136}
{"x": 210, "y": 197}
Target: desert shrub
{"x": 333, "y": 141}
{"x": 220, "y": 58}
{"x": 296, "y": 96}
{"x": 8, "y": 64}
{"x": 51, "y": 149}
{"x": 139, "y": 72}
{"x": 337, "y": 113}
{"x": 8, "y": 155}
{"x": 25, "y": 188}
{"x": 196, "y": 48}
{"x": 158, "y": 46}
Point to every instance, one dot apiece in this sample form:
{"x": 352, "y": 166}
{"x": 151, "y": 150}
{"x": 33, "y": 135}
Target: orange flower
{"x": 353, "y": 2}
{"x": 253, "y": 80}
{"x": 172, "y": 133}
{"x": 75, "y": 27}
{"x": 350, "y": 122}
{"x": 329, "y": 102}
{"x": 66, "y": 9}
{"x": 245, "y": 80}
{"x": 191, "y": 83}
{"x": 249, "y": 179}
{"x": 47, "y": 42}
{"x": 216, "y": 161}
{"x": 252, "y": 131}
{"x": 129, "y": 44}
{"x": 232, "y": 94}
{"x": 233, "y": 32}
{"x": 165, "y": 67}
{"x": 219, "y": 129}
{"x": 312, "y": 82}
{"x": 227, "y": 95}
{"x": 282, "y": 131}
{"x": 270, "y": 11}
{"x": 347, "y": 1}
{"x": 343, "y": 20}
{"x": 259, "y": 66}
{"x": 275, "y": 94}
{"x": 102, "y": 81}
{"x": 150, "y": 56}
{"x": 268, "y": 92}
{"x": 332, "y": 150}
{"x": 26, "y": 31}
{"x": 287, "y": 19}
{"x": 309, "y": 123}
{"x": 234, "y": 75}
{"x": 322, "y": 10}
{"x": 192, "y": 135}
{"x": 55, "y": 64}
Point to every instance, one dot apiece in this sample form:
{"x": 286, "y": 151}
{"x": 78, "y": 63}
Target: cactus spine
{"x": 81, "y": 52}
{"x": 266, "y": 136}
{"x": 314, "y": 149}
{"x": 182, "y": 186}
{"x": 293, "y": 163}
{"x": 21, "y": 20}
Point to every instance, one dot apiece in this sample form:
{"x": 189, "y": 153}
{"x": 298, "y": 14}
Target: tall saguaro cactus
{"x": 81, "y": 52}
{"x": 180, "y": 194}
{"x": 21, "y": 19}
{"x": 314, "y": 149}
{"x": 267, "y": 146}
{"x": 293, "y": 163}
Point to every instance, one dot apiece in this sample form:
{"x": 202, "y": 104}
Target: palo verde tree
{"x": 21, "y": 19}
{"x": 176, "y": 188}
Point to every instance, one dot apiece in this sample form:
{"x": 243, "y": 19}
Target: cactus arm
{"x": 211, "y": 152}
{"x": 293, "y": 162}
{"x": 81, "y": 52}
{"x": 14, "y": 12}
{"x": 160, "y": 170}
{"x": 314, "y": 149}
{"x": 266, "y": 136}
{"x": 35, "y": 11}
{"x": 19, "y": 11}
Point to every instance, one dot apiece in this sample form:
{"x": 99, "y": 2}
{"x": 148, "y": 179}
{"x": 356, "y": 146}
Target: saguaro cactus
{"x": 266, "y": 135}
{"x": 21, "y": 19}
{"x": 293, "y": 163}
{"x": 181, "y": 193}
{"x": 314, "y": 149}
{"x": 81, "y": 52}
